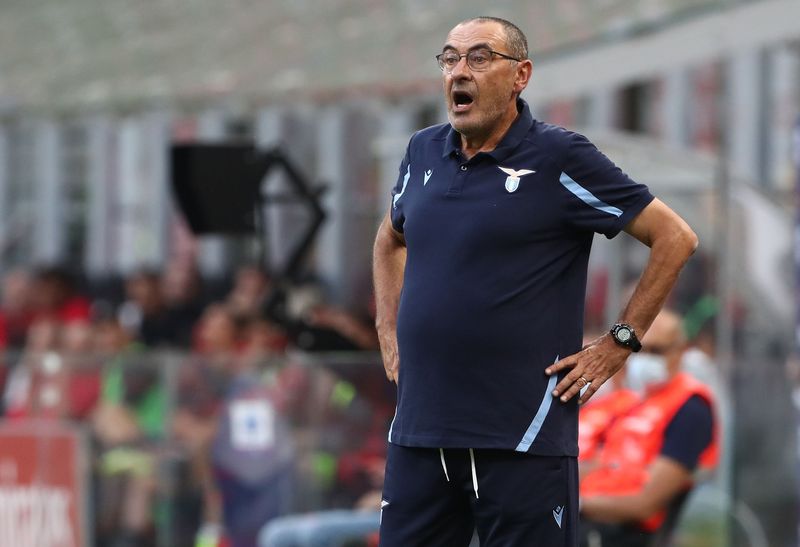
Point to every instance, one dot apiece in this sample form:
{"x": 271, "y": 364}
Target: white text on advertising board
{"x": 35, "y": 516}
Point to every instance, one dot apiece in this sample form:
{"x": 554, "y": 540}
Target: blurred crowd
{"x": 205, "y": 419}
{"x": 207, "y": 422}
{"x": 647, "y": 439}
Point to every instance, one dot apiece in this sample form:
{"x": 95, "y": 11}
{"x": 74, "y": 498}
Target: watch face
{"x": 623, "y": 334}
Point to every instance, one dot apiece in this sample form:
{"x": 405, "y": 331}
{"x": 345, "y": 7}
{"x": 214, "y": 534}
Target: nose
{"x": 461, "y": 70}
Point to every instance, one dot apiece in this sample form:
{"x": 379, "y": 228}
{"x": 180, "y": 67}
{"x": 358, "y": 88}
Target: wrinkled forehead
{"x": 466, "y": 36}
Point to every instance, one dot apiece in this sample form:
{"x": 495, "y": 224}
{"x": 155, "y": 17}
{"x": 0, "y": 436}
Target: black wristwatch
{"x": 624, "y": 335}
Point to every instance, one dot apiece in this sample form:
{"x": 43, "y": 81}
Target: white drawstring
{"x": 474, "y": 473}
{"x": 444, "y": 465}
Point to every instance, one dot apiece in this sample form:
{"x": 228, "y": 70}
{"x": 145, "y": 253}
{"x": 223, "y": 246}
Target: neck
{"x": 486, "y": 142}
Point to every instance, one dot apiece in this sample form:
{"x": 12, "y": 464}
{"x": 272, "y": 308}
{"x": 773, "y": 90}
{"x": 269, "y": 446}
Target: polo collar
{"x": 518, "y": 130}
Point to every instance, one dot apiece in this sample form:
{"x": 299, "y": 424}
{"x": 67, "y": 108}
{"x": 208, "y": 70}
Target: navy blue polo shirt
{"x": 495, "y": 280}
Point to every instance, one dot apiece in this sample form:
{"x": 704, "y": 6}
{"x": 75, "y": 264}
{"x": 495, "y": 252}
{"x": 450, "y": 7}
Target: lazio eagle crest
{"x": 512, "y": 181}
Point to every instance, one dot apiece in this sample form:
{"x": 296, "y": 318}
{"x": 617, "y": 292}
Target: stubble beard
{"x": 478, "y": 126}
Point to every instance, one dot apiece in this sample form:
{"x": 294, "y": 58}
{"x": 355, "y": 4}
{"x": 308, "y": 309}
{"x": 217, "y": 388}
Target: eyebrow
{"x": 482, "y": 45}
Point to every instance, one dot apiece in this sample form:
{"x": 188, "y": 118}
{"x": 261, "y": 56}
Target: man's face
{"x": 477, "y": 101}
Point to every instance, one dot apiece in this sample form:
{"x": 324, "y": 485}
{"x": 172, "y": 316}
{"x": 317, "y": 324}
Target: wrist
{"x": 624, "y": 335}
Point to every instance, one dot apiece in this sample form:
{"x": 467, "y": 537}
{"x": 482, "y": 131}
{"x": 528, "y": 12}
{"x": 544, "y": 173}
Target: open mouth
{"x": 461, "y": 100}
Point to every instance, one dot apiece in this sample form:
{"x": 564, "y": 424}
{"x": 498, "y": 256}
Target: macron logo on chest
{"x": 512, "y": 181}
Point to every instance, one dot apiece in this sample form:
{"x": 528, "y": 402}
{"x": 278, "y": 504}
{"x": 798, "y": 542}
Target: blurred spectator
{"x": 217, "y": 337}
{"x": 359, "y": 472}
{"x": 129, "y": 417}
{"x": 15, "y": 317}
{"x": 55, "y": 378}
{"x": 700, "y": 365}
{"x": 181, "y": 288}
{"x": 699, "y": 358}
{"x": 236, "y": 403}
{"x": 202, "y": 385}
{"x": 145, "y": 312}
{"x": 248, "y": 297}
{"x": 613, "y": 399}
{"x": 19, "y": 396}
{"x": 644, "y": 470}
{"x": 699, "y": 324}
{"x": 358, "y": 334}
{"x": 253, "y": 455}
{"x": 54, "y": 296}
{"x": 16, "y": 312}
{"x": 597, "y": 416}
{"x": 334, "y": 528}
{"x": 133, "y": 399}
{"x": 262, "y": 342}
{"x": 84, "y": 372}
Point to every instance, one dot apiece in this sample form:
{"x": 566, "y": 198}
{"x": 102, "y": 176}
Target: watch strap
{"x": 632, "y": 342}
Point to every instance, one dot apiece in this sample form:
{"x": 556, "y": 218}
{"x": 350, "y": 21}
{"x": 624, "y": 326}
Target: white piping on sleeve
{"x": 474, "y": 473}
{"x": 444, "y": 465}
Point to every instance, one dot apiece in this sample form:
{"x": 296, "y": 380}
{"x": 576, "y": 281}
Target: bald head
{"x": 515, "y": 40}
{"x": 667, "y": 329}
{"x": 666, "y": 337}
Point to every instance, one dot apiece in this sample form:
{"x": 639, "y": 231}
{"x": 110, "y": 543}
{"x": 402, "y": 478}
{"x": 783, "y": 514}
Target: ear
{"x": 523, "y": 75}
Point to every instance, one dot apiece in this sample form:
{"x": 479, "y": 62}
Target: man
{"x": 487, "y": 240}
{"x": 646, "y": 464}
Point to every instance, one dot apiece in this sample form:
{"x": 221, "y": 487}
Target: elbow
{"x": 691, "y": 240}
{"x": 679, "y": 244}
{"x": 683, "y": 240}
{"x": 674, "y": 236}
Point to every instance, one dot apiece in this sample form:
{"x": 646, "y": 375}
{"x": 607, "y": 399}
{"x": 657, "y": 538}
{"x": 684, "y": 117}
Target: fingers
{"x": 574, "y": 382}
{"x": 391, "y": 361}
{"x": 566, "y": 388}
{"x": 558, "y": 366}
{"x": 392, "y": 372}
{"x": 590, "y": 390}
{"x": 588, "y": 370}
{"x": 391, "y": 365}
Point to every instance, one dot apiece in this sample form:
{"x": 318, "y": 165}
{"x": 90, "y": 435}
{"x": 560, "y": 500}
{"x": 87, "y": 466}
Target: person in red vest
{"x": 651, "y": 453}
{"x": 598, "y": 414}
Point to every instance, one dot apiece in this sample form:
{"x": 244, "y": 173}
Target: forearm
{"x": 667, "y": 479}
{"x": 669, "y": 251}
{"x": 616, "y": 509}
{"x": 362, "y": 334}
{"x": 389, "y": 260}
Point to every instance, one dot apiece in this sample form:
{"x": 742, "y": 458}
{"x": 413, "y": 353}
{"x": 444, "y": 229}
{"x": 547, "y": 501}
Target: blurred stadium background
{"x": 697, "y": 98}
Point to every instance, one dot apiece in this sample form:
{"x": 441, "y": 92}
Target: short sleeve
{"x": 396, "y": 210}
{"x": 689, "y": 433}
{"x": 601, "y": 198}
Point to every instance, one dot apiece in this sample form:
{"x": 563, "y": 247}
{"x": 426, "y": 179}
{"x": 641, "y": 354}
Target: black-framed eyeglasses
{"x": 477, "y": 59}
